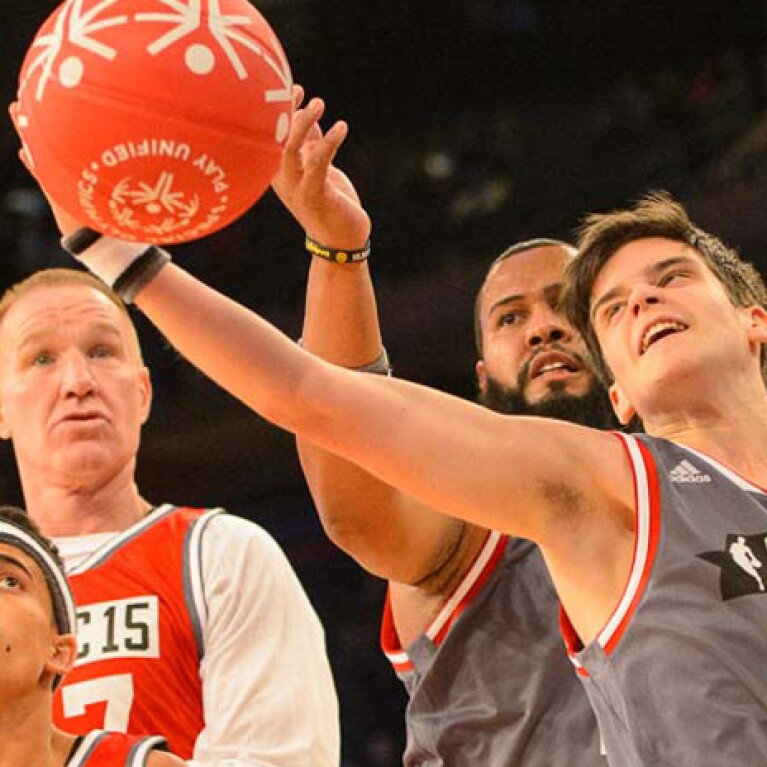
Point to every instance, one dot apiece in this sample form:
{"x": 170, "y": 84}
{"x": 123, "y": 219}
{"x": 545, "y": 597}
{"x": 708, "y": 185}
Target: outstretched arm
{"x": 496, "y": 471}
{"x": 567, "y": 487}
{"x": 388, "y": 532}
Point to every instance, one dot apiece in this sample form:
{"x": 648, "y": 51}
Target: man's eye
{"x": 671, "y": 277}
{"x": 509, "y": 318}
{"x": 9, "y": 582}
{"x": 42, "y": 358}
{"x": 100, "y": 352}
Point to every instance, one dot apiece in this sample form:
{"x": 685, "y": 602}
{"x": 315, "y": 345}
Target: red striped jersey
{"x": 139, "y": 623}
{"x": 112, "y": 749}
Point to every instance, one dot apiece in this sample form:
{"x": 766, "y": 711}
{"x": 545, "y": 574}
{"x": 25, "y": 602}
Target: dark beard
{"x": 590, "y": 409}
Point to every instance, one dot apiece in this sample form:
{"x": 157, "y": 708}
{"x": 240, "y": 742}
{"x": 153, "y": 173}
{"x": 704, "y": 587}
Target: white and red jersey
{"x": 192, "y": 624}
{"x": 138, "y": 624}
{"x": 113, "y": 749}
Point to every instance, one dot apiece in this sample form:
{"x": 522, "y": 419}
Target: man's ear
{"x": 481, "y": 376}
{"x": 757, "y": 324}
{"x": 5, "y": 429}
{"x": 622, "y": 408}
{"x": 146, "y": 394}
{"x": 63, "y": 653}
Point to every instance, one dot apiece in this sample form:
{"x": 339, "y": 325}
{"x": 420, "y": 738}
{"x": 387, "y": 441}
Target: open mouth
{"x": 553, "y": 364}
{"x": 658, "y": 331}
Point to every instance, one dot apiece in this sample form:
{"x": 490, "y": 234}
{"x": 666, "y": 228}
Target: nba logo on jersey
{"x": 744, "y": 565}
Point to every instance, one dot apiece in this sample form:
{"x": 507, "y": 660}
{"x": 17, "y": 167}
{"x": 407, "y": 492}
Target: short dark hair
{"x": 657, "y": 214}
{"x": 513, "y": 250}
{"x": 19, "y": 518}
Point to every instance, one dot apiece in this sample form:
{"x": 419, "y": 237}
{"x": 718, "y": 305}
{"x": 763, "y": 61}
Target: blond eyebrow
{"x": 653, "y": 270}
{"x": 39, "y": 337}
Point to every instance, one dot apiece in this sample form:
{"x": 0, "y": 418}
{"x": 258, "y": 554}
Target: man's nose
{"x": 643, "y": 296}
{"x": 546, "y": 327}
{"x": 77, "y": 377}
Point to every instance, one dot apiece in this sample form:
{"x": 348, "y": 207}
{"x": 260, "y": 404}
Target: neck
{"x": 84, "y": 506}
{"x": 736, "y": 436}
{"x": 28, "y": 737}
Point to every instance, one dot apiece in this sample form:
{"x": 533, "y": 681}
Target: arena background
{"x": 473, "y": 124}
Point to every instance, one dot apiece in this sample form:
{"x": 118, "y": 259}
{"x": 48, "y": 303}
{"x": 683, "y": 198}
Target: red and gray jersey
{"x": 489, "y": 681}
{"x": 677, "y": 676}
{"x": 113, "y": 749}
{"x": 140, "y": 617}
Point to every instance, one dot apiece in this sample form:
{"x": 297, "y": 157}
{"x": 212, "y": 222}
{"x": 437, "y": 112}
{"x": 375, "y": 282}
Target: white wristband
{"x": 108, "y": 258}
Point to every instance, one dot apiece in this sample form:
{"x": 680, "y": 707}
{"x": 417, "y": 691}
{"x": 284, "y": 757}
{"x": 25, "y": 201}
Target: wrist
{"x": 337, "y": 255}
{"x": 380, "y": 365}
{"x": 108, "y": 258}
{"x": 126, "y": 267}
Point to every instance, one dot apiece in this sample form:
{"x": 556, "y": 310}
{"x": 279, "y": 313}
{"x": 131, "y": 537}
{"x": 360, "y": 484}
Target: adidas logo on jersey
{"x": 684, "y": 471}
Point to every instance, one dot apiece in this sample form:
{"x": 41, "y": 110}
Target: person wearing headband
{"x": 38, "y": 647}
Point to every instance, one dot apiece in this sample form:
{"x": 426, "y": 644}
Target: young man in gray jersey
{"x": 670, "y": 644}
{"x": 459, "y": 596}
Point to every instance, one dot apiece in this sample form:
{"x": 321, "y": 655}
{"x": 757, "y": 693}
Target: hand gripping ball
{"x": 155, "y": 120}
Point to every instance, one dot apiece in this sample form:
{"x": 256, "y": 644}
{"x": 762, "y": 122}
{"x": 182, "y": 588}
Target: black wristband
{"x": 140, "y": 273}
{"x": 80, "y": 240}
{"x": 337, "y": 256}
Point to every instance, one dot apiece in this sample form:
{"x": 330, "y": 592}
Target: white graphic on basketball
{"x": 188, "y": 17}
{"x": 160, "y": 123}
{"x": 71, "y": 72}
{"x": 75, "y": 27}
{"x": 200, "y": 59}
{"x": 155, "y": 199}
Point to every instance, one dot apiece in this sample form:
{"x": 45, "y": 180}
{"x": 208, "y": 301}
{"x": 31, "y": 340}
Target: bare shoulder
{"x": 577, "y": 447}
{"x": 163, "y": 759}
{"x": 587, "y": 474}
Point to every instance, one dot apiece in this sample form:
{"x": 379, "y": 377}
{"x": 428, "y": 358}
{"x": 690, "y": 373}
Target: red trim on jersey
{"x": 480, "y": 581}
{"x": 390, "y": 643}
{"x": 471, "y": 583}
{"x": 572, "y": 641}
{"x": 653, "y": 490}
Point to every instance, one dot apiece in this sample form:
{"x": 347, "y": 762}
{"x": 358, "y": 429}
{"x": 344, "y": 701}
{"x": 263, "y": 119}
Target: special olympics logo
{"x": 173, "y": 209}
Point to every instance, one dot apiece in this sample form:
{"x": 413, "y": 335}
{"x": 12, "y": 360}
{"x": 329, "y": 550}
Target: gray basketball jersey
{"x": 489, "y": 681}
{"x": 678, "y": 676}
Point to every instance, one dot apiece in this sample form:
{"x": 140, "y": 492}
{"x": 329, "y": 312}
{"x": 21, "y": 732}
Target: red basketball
{"x": 155, "y": 120}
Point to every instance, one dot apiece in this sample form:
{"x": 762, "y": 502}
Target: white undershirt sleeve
{"x": 268, "y": 693}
